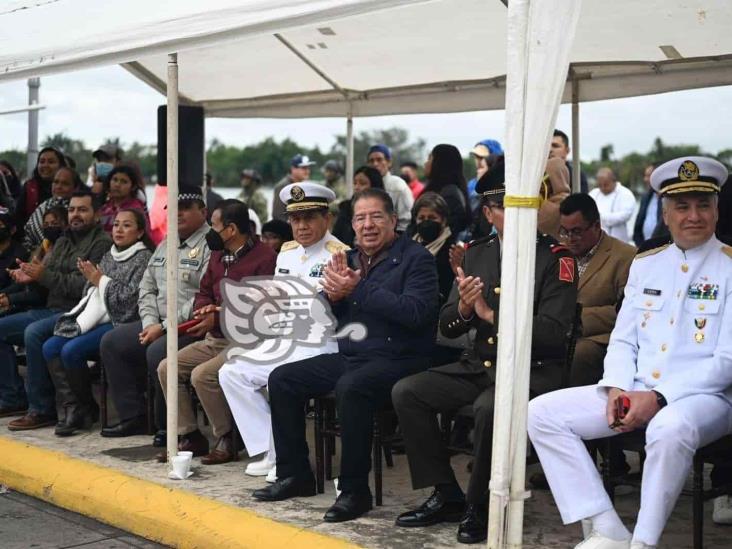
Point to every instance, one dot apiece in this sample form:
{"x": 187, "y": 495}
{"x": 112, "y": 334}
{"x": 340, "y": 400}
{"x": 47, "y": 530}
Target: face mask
{"x": 429, "y": 230}
{"x": 4, "y": 234}
{"x": 52, "y": 234}
{"x": 214, "y": 241}
{"x": 103, "y": 169}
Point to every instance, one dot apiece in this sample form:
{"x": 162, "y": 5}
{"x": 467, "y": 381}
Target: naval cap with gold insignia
{"x": 689, "y": 174}
{"x": 306, "y": 195}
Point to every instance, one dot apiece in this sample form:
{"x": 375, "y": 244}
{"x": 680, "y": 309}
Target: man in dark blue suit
{"x": 389, "y": 285}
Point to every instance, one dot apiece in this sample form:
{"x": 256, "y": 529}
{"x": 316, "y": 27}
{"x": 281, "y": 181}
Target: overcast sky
{"x": 95, "y": 104}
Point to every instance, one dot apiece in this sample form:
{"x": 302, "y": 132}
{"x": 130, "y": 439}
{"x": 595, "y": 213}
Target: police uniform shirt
{"x": 674, "y": 331}
{"x": 308, "y": 263}
{"x": 193, "y": 257}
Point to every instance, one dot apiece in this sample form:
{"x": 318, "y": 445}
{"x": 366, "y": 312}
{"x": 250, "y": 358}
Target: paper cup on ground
{"x": 181, "y": 466}
{"x": 186, "y": 454}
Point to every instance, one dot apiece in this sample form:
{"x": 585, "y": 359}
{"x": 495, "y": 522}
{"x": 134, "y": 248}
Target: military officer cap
{"x": 306, "y": 195}
{"x": 492, "y": 185}
{"x": 188, "y": 195}
{"x": 689, "y": 174}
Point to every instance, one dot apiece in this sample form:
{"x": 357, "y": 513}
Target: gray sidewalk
{"x": 228, "y": 483}
{"x": 28, "y": 522}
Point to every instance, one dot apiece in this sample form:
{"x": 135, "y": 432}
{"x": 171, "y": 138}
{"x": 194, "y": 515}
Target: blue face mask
{"x": 103, "y": 169}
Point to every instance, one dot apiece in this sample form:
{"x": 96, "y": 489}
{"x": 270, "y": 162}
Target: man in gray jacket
{"x": 85, "y": 239}
{"x": 130, "y": 350}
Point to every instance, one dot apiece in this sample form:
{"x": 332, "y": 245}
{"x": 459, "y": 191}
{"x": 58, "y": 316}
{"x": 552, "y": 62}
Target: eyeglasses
{"x": 572, "y": 233}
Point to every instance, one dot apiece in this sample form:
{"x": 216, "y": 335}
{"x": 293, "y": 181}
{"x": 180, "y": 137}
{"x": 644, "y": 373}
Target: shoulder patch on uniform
{"x": 652, "y": 251}
{"x": 727, "y": 250}
{"x": 289, "y": 245}
{"x": 558, "y": 248}
{"x": 480, "y": 240}
{"x": 334, "y": 246}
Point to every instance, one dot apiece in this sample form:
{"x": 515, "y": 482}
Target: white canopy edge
{"x": 186, "y": 27}
{"x": 597, "y": 81}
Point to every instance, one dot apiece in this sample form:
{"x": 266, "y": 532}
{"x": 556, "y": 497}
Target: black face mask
{"x": 429, "y": 230}
{"x": 52, "y": 234}
{"x": 214, "y": 241}
{"x": 4, "y": 234}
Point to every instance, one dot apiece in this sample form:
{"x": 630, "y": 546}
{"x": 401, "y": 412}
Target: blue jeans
{"x": 29, "y": 328}
{"x": 75, "y": 351}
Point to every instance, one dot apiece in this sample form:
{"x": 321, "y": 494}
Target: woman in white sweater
{"x": 109, "y": 298}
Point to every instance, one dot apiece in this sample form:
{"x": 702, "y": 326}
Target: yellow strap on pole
{"x": 511, "y": 201}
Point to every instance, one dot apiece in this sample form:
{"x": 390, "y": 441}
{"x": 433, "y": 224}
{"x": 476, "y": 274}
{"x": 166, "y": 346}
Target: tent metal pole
{"x": 171, "y": 259}
{"x": 34, "y": 85}
{"x": 576, "y": 165}
{"x": 349, "y": 154}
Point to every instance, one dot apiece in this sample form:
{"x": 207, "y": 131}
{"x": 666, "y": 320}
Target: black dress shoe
{"x": 286, "y": 488}
{"x": 126, "y": 428}
{"x": 474, "y": 524}
{"x": 160, "y": 440}
{"x": 538, "y": 481}
{"x": 432, "y": 511}
{"x": 349, "y": 506}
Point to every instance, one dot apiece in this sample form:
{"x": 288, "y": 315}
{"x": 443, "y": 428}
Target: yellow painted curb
{"x": 166, "y": 515}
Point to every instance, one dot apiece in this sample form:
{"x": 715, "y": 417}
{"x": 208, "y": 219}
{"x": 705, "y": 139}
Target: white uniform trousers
{"x": 558, "y": 422}
{"x": 243, "y": 383}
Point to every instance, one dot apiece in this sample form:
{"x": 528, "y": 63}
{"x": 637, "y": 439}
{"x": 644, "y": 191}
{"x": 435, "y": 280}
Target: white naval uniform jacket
{"x": 674, "y": 331}
{"x": 308, "y": 263}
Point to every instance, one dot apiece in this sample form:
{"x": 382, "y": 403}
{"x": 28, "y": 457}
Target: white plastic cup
{"x": 186, "y": 454}
{"x": 181, "y": 466}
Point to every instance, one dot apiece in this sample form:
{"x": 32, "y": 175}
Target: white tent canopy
{"x": 308, "y": 58}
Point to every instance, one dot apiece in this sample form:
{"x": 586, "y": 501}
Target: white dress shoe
{"x": 272, "y": 475}
{"x": 260, "y": 468}
{"x": 641, "y": 545}
{"x": 722, "y": 510}
{"x": 596, "y": 541}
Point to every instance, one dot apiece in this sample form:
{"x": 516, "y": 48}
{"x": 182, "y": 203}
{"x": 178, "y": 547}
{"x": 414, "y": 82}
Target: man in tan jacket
{"x": 603, "y": 263}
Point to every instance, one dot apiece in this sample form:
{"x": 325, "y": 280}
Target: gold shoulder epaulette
{"x": 727, "y": 250}
{"x": 334, "y": 246}
{"x": 652, "y": 251}
{"x": 289, "y": 245}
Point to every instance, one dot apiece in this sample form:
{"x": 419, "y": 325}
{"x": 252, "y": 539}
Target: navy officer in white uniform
{"x": 670, "y": 354}
{"x": 306, "y": 258}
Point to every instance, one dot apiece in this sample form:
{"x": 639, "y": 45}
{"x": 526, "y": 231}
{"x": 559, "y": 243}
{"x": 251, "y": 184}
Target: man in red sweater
{"x": 235, "y": 254}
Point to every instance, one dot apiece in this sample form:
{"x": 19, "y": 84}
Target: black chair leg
{"x": 104, "y": 414}
{"x": 150, "y": 391}
{"x": 698, "y": 504}
{"x": 377, "y": 462}
{"x": 606, "y": 468}
{"x": 319, "y": 447}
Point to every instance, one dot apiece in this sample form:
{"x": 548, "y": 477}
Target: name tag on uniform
{"x": 191, "y": 262}
{"x": 703, "y": 290}
{"x": 158, "y": 261}
{"x": 283, "y": 271}
{"x": 651, "y": 291}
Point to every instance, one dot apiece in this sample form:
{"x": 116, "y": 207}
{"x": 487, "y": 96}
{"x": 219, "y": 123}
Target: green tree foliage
{"x": 397, "y": 139}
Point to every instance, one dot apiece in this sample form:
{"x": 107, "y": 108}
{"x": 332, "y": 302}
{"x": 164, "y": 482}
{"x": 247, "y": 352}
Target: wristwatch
{"x": 660, "y": 399}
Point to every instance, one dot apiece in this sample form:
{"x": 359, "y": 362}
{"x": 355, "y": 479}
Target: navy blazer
{"x": 398, "y": 302}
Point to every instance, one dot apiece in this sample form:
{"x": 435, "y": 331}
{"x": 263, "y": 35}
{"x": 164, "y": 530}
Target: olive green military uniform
{"x": 419, "y": 398}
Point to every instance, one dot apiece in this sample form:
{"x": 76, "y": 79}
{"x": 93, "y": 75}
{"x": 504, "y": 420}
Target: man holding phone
{"x": 668, "y": 369}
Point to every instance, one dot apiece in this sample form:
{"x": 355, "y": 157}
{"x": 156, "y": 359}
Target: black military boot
{"x": 83, "y": 411}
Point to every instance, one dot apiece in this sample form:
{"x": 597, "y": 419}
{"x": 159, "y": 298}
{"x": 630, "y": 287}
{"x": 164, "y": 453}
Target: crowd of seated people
{"x": 82, "y": 281}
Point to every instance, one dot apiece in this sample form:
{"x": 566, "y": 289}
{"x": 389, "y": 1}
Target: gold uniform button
{"x": 487, "y": 364}
{"x": 684, "y": 268}
{"x": 701, "y": 306}
{"x": 649, "y": 303}
{"x": 490, "y": 341}
{"x": 497, "y": 290}
{"x": 656, "y": 374}
{"x": 664, "y": 347}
